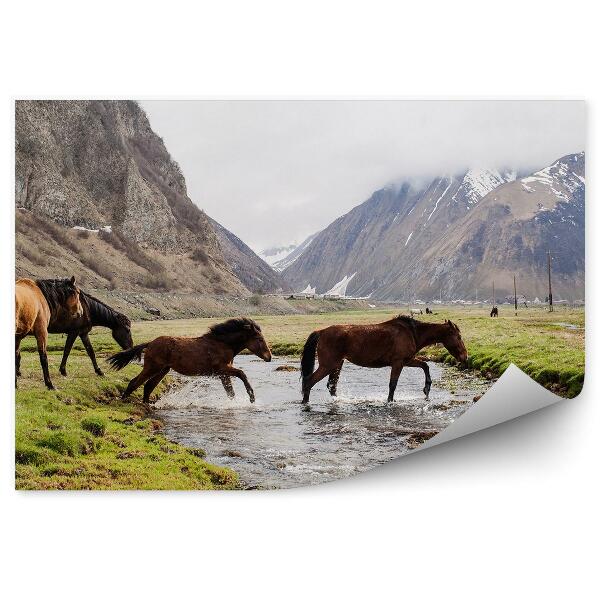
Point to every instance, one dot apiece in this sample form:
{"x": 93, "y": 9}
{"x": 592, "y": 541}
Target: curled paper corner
{"x": 513, "y": 395}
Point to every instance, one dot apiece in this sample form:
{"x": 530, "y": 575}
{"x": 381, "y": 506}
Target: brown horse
{"x": 494, "y": 312}
{"x": 95, "y": 313}
{"x": 209, "y": 354}
{"x": 36, "y": 304}
{"x": 393, "y": 343}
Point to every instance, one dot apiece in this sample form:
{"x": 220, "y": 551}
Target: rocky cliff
{"x": 99, "y": 195}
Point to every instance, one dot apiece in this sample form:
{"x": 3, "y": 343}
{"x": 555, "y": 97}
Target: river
{"x": 279, "y": 443}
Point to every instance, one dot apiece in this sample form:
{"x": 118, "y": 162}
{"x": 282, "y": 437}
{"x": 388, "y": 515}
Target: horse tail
{"x": 121, "y": 359}
{"x": 309, "y": 352}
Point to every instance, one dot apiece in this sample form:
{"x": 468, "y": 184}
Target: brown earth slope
{"x": 99, "y": 196}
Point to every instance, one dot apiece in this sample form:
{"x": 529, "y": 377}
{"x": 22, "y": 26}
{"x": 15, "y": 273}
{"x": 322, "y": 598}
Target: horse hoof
{"x": 63, "y": 372}
{"x": 50, "y": 387}
{"x": 99, "y": 372}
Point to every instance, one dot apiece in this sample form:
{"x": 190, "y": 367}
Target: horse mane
{"x": 408, "y": 321}
{"x": 102, "y": 314}
{"x": 56, "y": 291}
{"x": 232, "y": 327}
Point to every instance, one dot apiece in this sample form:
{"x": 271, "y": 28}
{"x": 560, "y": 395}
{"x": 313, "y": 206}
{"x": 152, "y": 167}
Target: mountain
{"x": 294, "y": 254}
{"x": 250, "y": 269}
{"x": 453, "y": 234}
{"x": 277, "y": 253}
{"x": 98, "y": 195}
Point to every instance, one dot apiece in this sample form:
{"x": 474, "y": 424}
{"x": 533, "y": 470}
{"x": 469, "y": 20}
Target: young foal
{"x": 209, "y": 354}
{"x": 393, "y": 343}
{"x": 36, "y": 304}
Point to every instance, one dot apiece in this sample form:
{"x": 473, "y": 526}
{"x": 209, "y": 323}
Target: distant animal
{"x": 416, "y": 311}
{"x": 392, "y": 343}
{"x": 494, "y": 312}
{"x": 428, "y": 311}
{"x": 211, "y": 354}
{"x": 36, "y": 304}
{"x": 95, "y": 313}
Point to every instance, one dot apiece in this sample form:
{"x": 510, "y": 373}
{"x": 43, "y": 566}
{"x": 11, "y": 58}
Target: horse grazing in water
{"x": 393, "y": 343}
{"x": 209, "y": 354}
{"x": 37, "y": 303}
{"x": 95, "y": 313}
{"x": 494, "y": 312}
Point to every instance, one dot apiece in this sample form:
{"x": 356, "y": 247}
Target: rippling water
{"x": 278, "y": 442}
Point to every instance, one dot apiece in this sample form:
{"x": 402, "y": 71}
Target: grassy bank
{"x": 83, "y": 436}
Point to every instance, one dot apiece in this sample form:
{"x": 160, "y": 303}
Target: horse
{"x": 494, "y": 312}
{"x": 211, "y": 354}
{"x": 416, "y": 311}
{"x": 36, "y": 304}
{"x": 428, "y": 311}
{"x": 95, "y": 313}
{"x": 393, "y": 343}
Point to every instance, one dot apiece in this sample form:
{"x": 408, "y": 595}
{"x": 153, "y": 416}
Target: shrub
{"x": 255, "y": 300}
{"x": 131, "y": 249}
{"x": 28, "y": 456}
{"x": 33, "y": 255}
{"x": 95, "y": 425}
{"x": 91, "y": 262}
{"x": 61, "y": 442}
{"x": 199, "y": 256}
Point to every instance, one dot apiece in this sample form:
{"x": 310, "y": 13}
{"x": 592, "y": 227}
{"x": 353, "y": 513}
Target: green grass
{"x": 82, "y": 436}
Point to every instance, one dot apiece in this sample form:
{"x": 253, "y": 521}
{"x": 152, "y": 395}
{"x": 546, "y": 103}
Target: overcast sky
{"x": 273, "y": 172}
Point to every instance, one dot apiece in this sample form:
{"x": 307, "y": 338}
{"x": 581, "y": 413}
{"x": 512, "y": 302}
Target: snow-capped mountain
{"x": 277, "y": 253}
{"x": 280, "y": 257}
{"x": 412, "y": 240}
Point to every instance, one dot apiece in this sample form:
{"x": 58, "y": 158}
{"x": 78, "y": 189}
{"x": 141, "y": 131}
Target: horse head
{"x": 453, "y": 342}
{"x": 256, "y": 343}
{"x": 72, "y": 301}
{"x": 122, "y": 332}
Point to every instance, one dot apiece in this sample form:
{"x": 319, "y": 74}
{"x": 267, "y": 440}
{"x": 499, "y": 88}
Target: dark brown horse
{"x": 37, "y": 303}
{"x": 209, "y": 354}
{"x": 393, "y": 343}
{"x": 494, "y": 312}
{"x": 95, "y": 313}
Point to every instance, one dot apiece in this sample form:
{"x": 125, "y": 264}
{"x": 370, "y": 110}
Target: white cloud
{"x": 274, "y": 171}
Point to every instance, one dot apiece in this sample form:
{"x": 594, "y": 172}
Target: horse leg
{"x": 311, "y": 380}
{"x": 146, "y": 373}
{"x": 226, "y": 381}
{"x": 41, "y": 337}
{"x": 333, "y": 380}
{"x": 415, "y": 362}
{"x": 232, "y": 371}
{"x": 87, "y": 344}
{"x": 152, "y": 383}
{"x": 68, "y": 345}
{"x": 18, "y": 339}
{"x": 396, "y": 370}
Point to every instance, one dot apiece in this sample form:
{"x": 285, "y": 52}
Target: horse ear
{"x": 73, "y": 280}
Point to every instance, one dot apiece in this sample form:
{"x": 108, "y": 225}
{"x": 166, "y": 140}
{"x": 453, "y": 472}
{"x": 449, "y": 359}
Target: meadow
{"x": 83, "y": 436}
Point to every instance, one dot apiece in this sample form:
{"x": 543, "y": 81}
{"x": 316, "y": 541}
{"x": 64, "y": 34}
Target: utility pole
{"x": 515, "y": 290}
{"x": 494, "y": 293}
{"x": 550, "y": 307}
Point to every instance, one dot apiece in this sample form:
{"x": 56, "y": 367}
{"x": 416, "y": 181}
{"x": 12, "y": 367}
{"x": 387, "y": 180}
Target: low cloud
{"x": 276, "y": 171}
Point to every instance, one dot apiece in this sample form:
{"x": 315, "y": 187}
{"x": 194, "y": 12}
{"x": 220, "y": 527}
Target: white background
{"x": 510, "y": 512}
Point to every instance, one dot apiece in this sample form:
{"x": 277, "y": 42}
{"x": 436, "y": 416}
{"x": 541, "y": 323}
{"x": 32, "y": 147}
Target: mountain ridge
{"x": 402, "y": 240}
